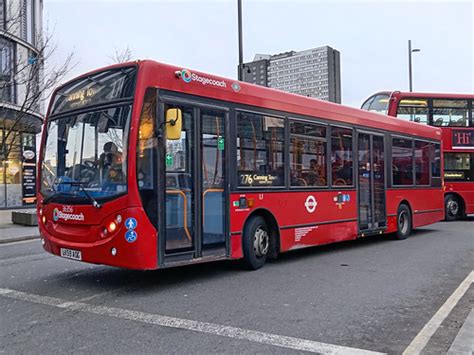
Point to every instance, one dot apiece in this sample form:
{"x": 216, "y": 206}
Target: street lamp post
{"x": 241, "y": 54}
{"x": 410, "y": 75}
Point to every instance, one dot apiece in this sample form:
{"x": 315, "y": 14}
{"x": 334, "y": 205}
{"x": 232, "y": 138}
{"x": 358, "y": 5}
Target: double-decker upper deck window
{"x": 341, "y": 156}
{"x": 453, "y": 113}
{"x": 413, "y": 109}
{"x": 98, "y": 88}
{"x": 260, "y": 160}
{"x": 308, "y": 154}
{"x": 379, "y": 104}
{"x": 402, "y": 161}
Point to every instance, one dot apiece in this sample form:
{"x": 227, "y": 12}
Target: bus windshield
{"x": 85, "y": 155}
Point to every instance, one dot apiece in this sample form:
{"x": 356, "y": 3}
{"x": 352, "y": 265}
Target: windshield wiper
{"x": 57, "y": 194}
{"x": 81, "y": 185}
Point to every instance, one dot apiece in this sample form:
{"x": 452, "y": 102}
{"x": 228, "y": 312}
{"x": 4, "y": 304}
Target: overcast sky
{"x": 202, "y": 35}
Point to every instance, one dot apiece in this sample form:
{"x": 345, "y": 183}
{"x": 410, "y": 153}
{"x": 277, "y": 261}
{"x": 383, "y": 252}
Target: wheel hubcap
{"x": 403, "y": 222}
{"x": 453, "y": 207}
{"x": 260, "y": 242}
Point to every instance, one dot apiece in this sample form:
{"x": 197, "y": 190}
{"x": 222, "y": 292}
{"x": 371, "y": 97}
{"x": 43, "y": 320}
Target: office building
{"x": 313, "y": 72}
{"x": 20, "y": 115}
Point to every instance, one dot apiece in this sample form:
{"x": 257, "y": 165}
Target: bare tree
{"x": 31, "y": 77}
{"x": 122, "y": 56}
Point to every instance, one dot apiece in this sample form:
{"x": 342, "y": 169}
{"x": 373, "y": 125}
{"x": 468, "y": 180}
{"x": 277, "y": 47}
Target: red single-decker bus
{"x": 145, "y": 165}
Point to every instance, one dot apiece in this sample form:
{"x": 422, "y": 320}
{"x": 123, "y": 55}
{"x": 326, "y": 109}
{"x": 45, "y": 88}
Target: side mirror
{"x": 174, "y": 122}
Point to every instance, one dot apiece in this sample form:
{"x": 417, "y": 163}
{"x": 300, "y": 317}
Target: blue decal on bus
{"x": 131, "y": 223}
{"x": 131, "y": 236}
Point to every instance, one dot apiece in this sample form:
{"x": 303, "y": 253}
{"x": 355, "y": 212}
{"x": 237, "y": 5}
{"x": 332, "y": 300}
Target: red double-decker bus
{"x": 145, "y": 165}
{"x": 454, "y": 114}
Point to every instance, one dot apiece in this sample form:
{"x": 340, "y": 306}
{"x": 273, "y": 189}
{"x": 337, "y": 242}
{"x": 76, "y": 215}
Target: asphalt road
{"x": 373, "y": 294}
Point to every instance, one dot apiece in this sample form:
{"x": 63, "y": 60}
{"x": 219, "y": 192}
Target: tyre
{"x": 452, "y": 208}
{"x": 255, "y": 243}
{"x": 404, "y": 222}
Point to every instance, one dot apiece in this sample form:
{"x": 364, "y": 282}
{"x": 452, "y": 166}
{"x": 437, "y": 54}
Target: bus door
{"x": 193, "y": 205}
{"x": 371, "y": 198}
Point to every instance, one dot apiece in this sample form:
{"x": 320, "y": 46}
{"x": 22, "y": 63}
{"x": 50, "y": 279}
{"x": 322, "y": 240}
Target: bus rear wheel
{"x": 404, "y": 222}
{"x": 255, "y": 243}
{"x": 452, "y": 208}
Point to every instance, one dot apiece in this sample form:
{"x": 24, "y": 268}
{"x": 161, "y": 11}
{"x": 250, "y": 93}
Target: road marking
{"x": 420, "y": 341}
{"x": 24, "y": 259}
{"x": 6, "y": 244}
{"x": 196, "y": 326}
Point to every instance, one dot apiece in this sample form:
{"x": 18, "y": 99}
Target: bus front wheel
{"x": 255, "y": 243}
{"x": 404, "y": 222}
{"x": 452, "y": 208}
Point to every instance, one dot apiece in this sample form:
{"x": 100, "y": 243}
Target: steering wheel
{"x": 89, "y": 164}
{"x": 88, "y": 171}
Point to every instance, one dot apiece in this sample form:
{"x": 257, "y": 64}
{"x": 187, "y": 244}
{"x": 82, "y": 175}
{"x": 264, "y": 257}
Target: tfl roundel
{"x": 311, "y": 204}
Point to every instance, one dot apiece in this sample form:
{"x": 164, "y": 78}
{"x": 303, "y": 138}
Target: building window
{"x": 341, "y": 156}
{"x": 402, "y": 161}
{"x": 6, "y": 71}
{"x": 28, "y": 32}
{"x": 260, "y": 158}
{"x": 10, "y": 170}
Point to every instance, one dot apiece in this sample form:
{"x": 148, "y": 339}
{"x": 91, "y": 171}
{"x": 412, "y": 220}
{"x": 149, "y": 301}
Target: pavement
{"x": 369, "y": 295}
{"x": 464, "y": 341}
{"x": 10, "y": 232}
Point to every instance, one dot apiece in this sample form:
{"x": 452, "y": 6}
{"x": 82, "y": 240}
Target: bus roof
{"x": 178, "y": 79}
{"x": 427, "y": 95}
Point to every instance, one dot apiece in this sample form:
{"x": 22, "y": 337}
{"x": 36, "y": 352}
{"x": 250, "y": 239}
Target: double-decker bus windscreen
{"x": 85, "y": 154}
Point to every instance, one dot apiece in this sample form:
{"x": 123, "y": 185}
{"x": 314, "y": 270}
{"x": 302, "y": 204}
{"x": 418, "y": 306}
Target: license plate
{"x": 71, "y": 254}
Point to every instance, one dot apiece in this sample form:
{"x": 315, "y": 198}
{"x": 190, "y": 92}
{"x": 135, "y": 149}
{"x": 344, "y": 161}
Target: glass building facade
{"x": 20, "y": 117}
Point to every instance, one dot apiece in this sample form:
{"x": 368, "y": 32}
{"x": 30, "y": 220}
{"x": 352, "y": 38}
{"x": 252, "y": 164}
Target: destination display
{"x": 99, "y": 88}
{"x": 257, "y": 180}
{"x": 454, "y": 175}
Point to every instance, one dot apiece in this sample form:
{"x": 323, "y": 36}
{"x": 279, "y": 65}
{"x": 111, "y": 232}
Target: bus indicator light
{"x": 111, "y": 227}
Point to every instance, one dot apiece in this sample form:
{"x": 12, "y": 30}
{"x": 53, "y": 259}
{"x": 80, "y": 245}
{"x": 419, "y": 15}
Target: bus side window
{"x": 341, "y": 156}
{"x": 307, "y": 154}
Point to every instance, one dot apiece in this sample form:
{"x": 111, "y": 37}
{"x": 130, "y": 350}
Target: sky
{"x": 372, "y": 37}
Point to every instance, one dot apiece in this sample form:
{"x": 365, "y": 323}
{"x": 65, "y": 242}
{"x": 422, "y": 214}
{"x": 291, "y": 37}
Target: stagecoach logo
{"x": 188, "y": 76}
{"x": 57, "y": 215}
{"x": 310, "y": 204}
